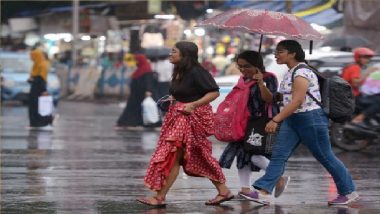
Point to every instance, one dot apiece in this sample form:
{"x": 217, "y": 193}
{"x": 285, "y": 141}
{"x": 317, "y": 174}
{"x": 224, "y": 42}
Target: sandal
{"x": 225, "y": 197}
{"x": 145, "y": 200}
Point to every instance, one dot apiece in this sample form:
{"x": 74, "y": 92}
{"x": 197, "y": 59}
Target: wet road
{"x": 84, "y": 166}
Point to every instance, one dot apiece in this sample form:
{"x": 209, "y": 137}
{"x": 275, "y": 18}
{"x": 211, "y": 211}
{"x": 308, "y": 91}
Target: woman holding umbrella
{"x": 303, "y": 121}
{"x": 262, "y": 101}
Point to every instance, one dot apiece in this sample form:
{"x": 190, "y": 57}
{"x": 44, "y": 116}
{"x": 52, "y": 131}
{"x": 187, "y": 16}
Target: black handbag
{"x": 256, "y": 140}
{"x": 163, "y": 104}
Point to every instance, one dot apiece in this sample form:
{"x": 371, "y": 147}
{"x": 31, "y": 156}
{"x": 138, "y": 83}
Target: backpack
{"x": 338, "y": 101}
{"x": 232, "y": 114}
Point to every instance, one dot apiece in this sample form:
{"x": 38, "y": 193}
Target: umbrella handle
{"x": 261, "y": 42}
{"x": 311, "y": 47}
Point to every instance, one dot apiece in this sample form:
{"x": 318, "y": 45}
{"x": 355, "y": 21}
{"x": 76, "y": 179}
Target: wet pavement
{"x": 84, "y": 166}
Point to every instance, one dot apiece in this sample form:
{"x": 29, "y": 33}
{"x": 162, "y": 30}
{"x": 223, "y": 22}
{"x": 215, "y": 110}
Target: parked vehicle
{"x": 334, "y": 65}
{"x": 14, "y": 72}
{"x": 351, "y": 137}
{"x": 355, "y": 137}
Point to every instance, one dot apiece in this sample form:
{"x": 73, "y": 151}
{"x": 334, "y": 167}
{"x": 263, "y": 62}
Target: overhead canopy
{"x": 361, "y": 18}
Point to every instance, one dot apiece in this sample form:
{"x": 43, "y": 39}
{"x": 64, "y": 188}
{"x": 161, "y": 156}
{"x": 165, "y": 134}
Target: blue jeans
{"x": 311, "y": 129}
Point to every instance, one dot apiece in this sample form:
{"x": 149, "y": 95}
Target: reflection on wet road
{"x": 84, "y": 166}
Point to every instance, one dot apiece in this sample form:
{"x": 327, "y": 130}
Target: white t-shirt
{"x": 286, "y": 88}
{"x": 164, "y": 69}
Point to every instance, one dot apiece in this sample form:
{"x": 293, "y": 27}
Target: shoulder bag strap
{"x": 308, "y": 93}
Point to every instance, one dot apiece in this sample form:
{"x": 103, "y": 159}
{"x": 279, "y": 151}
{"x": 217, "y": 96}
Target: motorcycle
{"x": 355, "y": 137}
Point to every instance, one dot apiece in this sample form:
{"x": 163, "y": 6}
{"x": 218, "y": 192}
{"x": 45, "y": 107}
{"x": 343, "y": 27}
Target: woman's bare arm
{"x": 206, "y": 99}
{"x": 300, "y": 86}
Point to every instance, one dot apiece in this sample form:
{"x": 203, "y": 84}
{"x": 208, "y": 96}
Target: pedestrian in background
{"x": 232, "y": 69}
{"x": 143, "y": 84}
{"x": 261, "y": 102}
{"x": 62, "y": 71}
{"x": 164, "y": 69}
{"x": 208, "y": 65}
{"x": 183, "y": 138}
{"x": 38, "y": 80}
{"x": 369, "y": 99}
{"x": 129, "y": 66}
{"x": 354, "y": 73}
{"x": 303, "y": 121}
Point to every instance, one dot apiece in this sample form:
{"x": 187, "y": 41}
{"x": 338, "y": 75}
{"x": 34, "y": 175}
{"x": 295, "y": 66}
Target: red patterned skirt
{"x": 190, "y": 132}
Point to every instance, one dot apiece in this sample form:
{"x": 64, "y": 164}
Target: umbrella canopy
{"x": 263, "y": 22}
{"x": 347, "y": 41}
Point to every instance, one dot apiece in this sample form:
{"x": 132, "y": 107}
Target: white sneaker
{"x": 257, "y": 197}
{"x": 46, "y": 128}
{"x": 55, "y": 119}
{"x": 134, "y": 128}
{"x": 31, "y": 128}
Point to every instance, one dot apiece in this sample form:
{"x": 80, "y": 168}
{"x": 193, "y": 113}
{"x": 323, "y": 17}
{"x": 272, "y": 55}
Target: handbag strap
{"x": 269, "y": 107}
{"x": 270, "y": 111}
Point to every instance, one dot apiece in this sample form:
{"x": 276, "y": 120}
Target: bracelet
{"x": 274, "y": 121}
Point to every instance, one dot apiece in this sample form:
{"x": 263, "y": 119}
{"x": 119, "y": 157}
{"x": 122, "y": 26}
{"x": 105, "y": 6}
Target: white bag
{"x": 150, "y": 112}
{"x": 45, "y": 105}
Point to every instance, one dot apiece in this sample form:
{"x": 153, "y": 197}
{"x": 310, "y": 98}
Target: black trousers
{"x": 369, "y": 105}
{"x": 38, "y": 86}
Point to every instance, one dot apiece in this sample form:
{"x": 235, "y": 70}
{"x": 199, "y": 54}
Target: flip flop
{"x": 145, "y": 200}
{"x": 225, "y": 197}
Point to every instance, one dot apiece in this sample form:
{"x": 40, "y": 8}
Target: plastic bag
{"x": 45, "y": 105}
{"x": 150, "y": 112}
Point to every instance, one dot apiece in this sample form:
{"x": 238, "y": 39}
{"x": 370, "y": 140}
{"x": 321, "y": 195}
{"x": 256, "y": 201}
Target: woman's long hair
{"x": 189, "y": 59}
{"x": 253, "y": 58}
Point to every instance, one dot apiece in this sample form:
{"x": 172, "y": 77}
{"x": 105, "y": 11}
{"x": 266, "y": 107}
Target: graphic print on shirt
{"x": 255, "y": 138}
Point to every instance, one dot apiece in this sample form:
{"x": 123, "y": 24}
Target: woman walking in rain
{"x": 303, "y": 121}
{"x": 143, "y": 84}
{"x": 261, "y": 102}
{"x": 38, "y": 80}
{"x": 188, "y": 123}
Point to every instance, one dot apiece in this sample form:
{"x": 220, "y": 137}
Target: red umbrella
{"x": 263, "y": 22}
